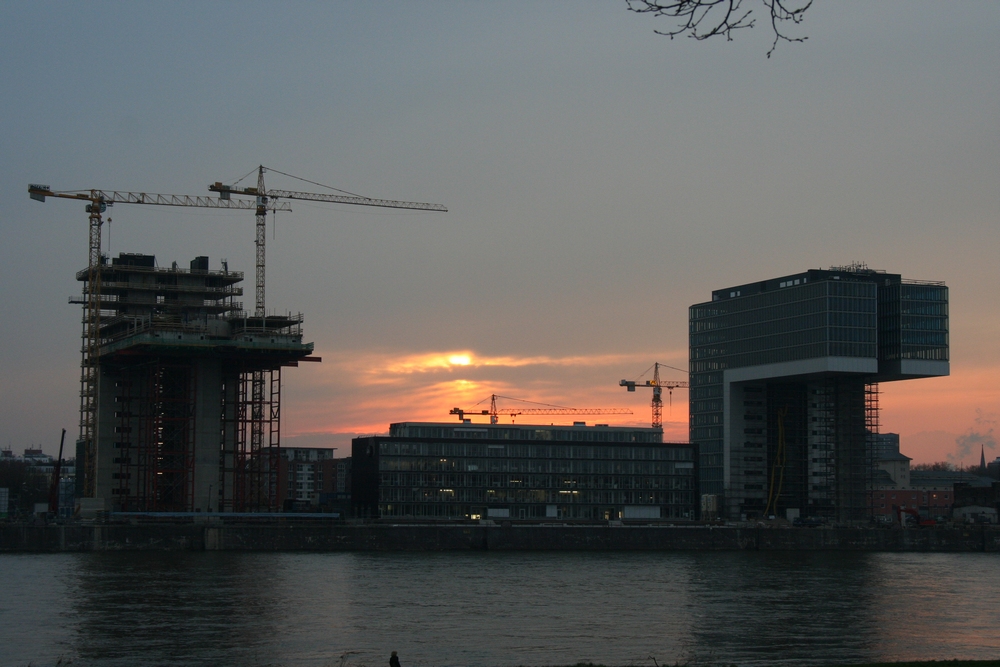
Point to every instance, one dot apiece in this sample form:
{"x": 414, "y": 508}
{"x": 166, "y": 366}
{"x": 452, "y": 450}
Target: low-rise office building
{"x": 507, "y": 471}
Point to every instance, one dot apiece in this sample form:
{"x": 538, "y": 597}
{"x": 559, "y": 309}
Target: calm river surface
{"x": 445, "y": 609}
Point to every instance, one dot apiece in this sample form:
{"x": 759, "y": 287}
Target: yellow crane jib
{"x": 494, "y": 412}
{"x": 264, "y": 198}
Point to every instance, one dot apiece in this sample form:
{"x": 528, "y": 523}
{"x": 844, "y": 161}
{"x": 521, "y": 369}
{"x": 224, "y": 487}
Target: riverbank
{"x": 927, "y": 663}
{"x": 377, "y": 536}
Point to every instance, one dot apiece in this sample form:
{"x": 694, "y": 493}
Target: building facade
{"x": 305, "y": 474}
{"x": 784, "y": 385}
{"x": 440, "y": 471}
{"x": 890, "y": 461}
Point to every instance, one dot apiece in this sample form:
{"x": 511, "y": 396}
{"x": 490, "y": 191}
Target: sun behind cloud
{"x": 354, "y": 392}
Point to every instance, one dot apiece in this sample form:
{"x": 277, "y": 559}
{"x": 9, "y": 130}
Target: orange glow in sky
{"x": 348, "y": 394}
{"x": 380, "y": 388}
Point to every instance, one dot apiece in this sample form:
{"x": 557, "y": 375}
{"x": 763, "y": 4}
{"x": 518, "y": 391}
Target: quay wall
{"x": 284, "y": 536}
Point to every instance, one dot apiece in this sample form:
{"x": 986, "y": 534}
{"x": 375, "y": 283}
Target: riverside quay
{"x": 493, "y": 471}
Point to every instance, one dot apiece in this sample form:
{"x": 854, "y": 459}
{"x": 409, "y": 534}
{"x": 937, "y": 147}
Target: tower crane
{"x": 97, "y": 203}
{"x": 658, "y": 386}
{"x": 494, "y": 412}
{"x": 264, "y": 199}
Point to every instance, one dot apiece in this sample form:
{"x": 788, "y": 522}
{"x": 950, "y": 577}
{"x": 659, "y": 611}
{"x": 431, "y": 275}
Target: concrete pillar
{"x": 106, "y": 437}
{"x": 207, "y": 434}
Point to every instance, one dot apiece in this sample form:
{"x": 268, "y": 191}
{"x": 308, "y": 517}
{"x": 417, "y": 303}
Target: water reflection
{"x": 518, "y": 609}
{"x": 174, "y": 608}
{"x": 937, "y": 605}
{"x": 767, "y": 608}
{"x": 111, "y": 609}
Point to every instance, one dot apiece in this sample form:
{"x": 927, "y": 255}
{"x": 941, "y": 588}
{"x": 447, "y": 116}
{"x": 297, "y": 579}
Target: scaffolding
{"x": 872, "y": 454}
{"x": 155, "y": 436}
{"x": 186, "y": 393}
{"x": 256, "y": 442}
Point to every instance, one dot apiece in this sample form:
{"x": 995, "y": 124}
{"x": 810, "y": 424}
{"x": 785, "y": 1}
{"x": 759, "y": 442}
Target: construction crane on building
{"x": 494, "y": 412}
{"x": 658, "y": 387}
{"x": 97, "y": 204}
{"x": 265, "y": 198}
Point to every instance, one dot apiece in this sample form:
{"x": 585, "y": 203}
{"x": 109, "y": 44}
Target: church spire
{"x": 982, "y": 460}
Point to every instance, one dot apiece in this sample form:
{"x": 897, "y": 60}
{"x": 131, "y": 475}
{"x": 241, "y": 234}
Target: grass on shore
{"x": 919, "y": 663}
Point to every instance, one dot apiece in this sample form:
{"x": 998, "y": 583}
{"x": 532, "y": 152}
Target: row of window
{"x": 924, "y": 293}
{"x": 827, "y": 349}
{"x": 925, "y": 338}
{"x": 528, "y": 481}
{"x": 931, "y": 354}
{"x": 528, "y": 511}
{"x": 472, "y": 432}
{"x": 709, "y": 331}
{"x": 820, "y": 306}
{"x": 543, "y": 466}
{"x": 924, "y": 323}
{"x": 781, "y": 341}
{"x": 447, "y": 450}
{"x": 524, "y": 496}
{"x": 784, "y": 296}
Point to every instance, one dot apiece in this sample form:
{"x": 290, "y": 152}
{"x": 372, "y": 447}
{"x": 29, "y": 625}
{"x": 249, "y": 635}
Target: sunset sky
{"x": 599, "y": 179}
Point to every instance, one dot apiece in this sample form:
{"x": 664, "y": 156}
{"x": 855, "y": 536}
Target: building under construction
{"x": 180, "y": 389}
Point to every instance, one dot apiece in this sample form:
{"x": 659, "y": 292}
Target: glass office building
{"x": 784, "y": 385}
{"x": 487, "y": 471}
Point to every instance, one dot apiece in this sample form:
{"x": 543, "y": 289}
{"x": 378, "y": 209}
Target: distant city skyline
{"x": 599, "y": 178}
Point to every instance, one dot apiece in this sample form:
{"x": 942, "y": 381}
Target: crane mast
{"x": 259, "y": 245}
{"x": 264, "y": 201}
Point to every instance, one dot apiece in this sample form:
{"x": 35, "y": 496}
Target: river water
{"x": 444, "y": 609}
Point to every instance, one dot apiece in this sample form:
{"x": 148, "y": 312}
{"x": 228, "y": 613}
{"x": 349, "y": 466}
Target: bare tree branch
{"x": 702, "y": 19}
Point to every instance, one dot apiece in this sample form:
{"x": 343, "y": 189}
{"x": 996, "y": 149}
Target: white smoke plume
{"x": 980, "y": 435}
